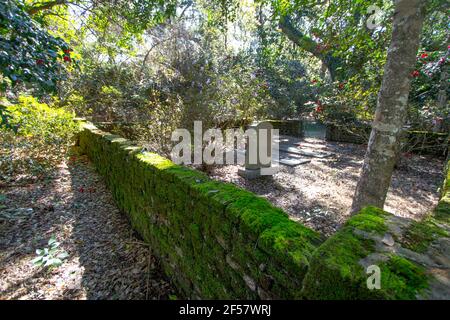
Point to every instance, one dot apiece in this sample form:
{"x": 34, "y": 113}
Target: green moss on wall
{"x": 370, "y": 219}
{"x": 337, "y": 270}
{"x": 214, "y": 239}
{"x": 402, "y": 279}
{"x": 420, "y": 235}
{"x": 442, "y": 211}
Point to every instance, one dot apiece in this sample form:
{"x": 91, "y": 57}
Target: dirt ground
{"x": 106, "y": 259}
{"x": 319, "y": 194}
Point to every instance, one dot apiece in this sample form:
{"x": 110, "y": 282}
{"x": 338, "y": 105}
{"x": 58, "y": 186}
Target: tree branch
{"x": 308, "y": 44}
{"x": 45, "y": 6}
{"x": 300, "y": 39}
{"x": 144, "y": 61}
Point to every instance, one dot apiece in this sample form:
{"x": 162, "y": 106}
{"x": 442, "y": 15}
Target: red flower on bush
{"x": 314, "y": 81}
{"x": 319, "y": 107}
{"x": 415, "y": 74}
{"x": 72, "y": 159}
{"x": 67, "y": 51}
{"x": 67, "y": 59}
{"x": 423, "y": 55}
{"x": 39, "y": 62}
{"x": 341, "y": 86}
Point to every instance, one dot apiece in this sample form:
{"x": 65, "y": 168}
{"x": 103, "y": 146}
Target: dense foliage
{"x": 42, "y": 138}
{"x": 160, "y": 65}
{"x": 29, "y": 54}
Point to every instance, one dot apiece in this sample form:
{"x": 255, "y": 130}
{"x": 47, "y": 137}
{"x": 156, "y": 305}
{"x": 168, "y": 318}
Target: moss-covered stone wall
{"x": 350, "y": 134}
{"x": 413, "y": 256}
{"x": 214, "y": 239}
{"x": 442, "y": 211}
{"x": 293, "y": 128}
{"x": 420, "y": 142}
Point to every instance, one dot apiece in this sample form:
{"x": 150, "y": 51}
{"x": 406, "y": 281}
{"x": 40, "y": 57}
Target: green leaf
{"x": 37, "y": 261}
{"x": 52, "y": 240}
{"x": 55, "y": 245}
{"x": 62, "y": 255}
{"x": 55, "y": 262}
{"x": 52, "y": 251}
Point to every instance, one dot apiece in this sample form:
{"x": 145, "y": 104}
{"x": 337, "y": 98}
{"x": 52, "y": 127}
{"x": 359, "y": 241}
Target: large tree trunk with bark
{"x": 391, "y": 108}
{"x": 442, "y": 93}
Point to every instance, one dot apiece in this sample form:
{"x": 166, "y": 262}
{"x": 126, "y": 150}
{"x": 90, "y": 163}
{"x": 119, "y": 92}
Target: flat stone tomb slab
{"x": 307, "y": 153}
{"x": 293, "y": 162}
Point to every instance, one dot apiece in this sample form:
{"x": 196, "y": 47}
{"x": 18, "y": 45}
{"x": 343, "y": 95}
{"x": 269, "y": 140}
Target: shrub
{"x": 41, "y": 138}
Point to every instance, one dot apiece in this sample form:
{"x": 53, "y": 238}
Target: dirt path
{"x": 106, "y": 259}
{"x": 319, "y": 194}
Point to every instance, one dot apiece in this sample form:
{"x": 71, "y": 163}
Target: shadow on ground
{"x": 107, "y": 260}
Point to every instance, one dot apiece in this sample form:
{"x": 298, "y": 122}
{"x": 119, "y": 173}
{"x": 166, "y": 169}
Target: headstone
{"x": 258, "y": 150}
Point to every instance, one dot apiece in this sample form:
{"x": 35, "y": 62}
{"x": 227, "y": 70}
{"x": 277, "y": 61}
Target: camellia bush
{"x": 41, "y": 137}
{"x": 29, "y": 54}
{"x": 31, "y": 58}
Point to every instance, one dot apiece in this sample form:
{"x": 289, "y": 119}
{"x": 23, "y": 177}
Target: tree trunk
{"x": 443, "y": 83}
{"x": 392, "y": 103}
